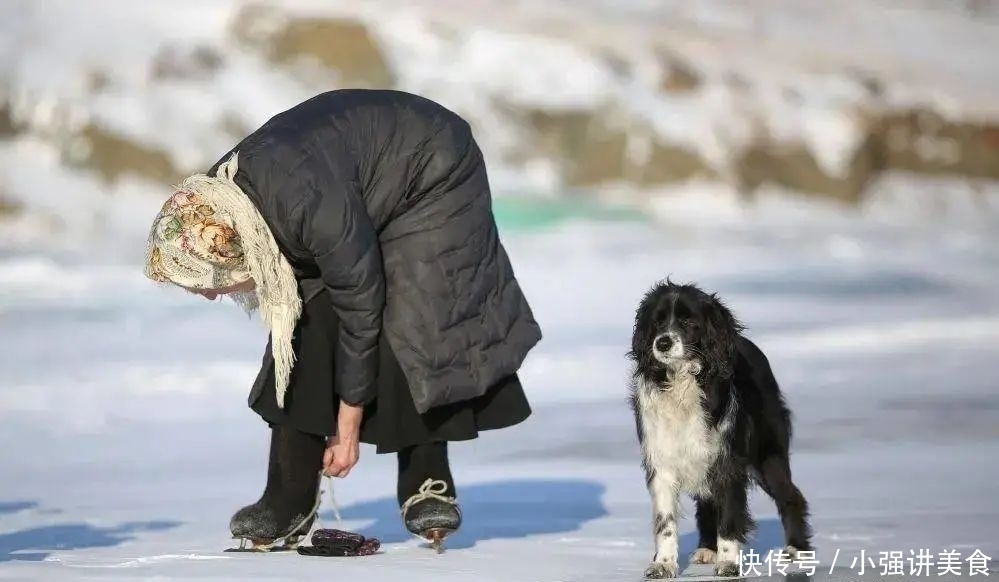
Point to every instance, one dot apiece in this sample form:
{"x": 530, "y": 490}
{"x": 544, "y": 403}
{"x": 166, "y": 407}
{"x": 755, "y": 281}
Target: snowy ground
{"x": 127, "y": 442}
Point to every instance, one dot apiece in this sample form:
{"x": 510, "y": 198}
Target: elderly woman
{"x": 359, "y": 224}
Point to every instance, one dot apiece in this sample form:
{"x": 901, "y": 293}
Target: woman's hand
{"x": 343, "y": 449}
{"x": 340, "y": 457}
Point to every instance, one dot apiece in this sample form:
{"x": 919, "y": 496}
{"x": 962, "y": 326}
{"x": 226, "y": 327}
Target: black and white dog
{"x": 710, "y": 418}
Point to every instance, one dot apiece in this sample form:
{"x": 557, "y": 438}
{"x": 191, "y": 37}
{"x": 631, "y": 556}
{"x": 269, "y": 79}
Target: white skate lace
{"x": 431, "y": 489}
{"x": 315, "y": 509}
{"x": 333, "y": 505}
{"x": 314, "y": 512}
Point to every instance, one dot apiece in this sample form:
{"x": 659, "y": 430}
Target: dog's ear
{"x": 641, "y": 335}
{"x": 721, "y": 335}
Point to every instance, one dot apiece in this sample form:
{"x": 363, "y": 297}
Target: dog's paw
{"x": 703, "y": 556}
{"x": 659, "y": 570}
{"x": 791, "y": 552}
{"x": 727, "y": 569}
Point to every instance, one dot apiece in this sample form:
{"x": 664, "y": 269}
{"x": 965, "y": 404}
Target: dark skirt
{"x": 390, "y": 421}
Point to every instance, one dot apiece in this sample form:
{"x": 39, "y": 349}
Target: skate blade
{"x": 436, "y": 538}
{"x": 253, "y": 548}
{"x": 260, "y": 547}
{"x": 261, "y": 550}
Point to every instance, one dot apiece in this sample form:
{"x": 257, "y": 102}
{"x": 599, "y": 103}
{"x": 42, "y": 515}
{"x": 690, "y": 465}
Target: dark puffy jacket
{"x": 382, "y": 199}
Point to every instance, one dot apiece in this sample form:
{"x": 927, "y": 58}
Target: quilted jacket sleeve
{"x": 337, "y": 231}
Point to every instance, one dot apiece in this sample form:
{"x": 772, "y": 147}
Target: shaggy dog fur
{"x": 710, "y": 418}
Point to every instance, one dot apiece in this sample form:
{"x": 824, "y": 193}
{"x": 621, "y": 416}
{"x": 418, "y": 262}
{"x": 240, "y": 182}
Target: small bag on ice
{"x": 339, "y": 543}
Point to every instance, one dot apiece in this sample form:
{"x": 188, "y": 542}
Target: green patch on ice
{"x": 538, "y": 213}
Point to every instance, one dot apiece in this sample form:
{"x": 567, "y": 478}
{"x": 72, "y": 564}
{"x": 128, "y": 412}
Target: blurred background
{"x": 102, "y": 104}
{"x": 830, "y": 168}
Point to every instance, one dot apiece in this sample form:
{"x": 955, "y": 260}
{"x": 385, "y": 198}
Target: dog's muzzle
{"x": 667, "y": 347}
{"x": 663, "y": 344}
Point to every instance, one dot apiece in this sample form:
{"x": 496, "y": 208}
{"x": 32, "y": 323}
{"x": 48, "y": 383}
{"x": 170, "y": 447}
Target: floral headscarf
{"x": 194, "y": 248}
{"x": 209, "y": 235}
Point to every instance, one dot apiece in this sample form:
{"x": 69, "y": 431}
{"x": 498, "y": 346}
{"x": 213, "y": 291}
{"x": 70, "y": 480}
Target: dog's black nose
{"x": 663, "y": 343}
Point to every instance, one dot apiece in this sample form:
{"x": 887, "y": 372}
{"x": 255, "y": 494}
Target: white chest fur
{"x": 676, "y": 440}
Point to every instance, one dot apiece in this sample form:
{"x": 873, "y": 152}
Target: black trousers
{"x": 419, "y": 463}
{"x": 390, "y": 421}
{"x": 296, "y": 457}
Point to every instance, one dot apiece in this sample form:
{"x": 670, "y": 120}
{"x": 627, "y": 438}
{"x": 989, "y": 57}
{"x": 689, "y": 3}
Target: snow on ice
{"x": 127, "y": 441}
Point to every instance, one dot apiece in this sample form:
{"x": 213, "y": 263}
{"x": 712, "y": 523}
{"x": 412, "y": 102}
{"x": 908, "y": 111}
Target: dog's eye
{"x": 687, "y": 322}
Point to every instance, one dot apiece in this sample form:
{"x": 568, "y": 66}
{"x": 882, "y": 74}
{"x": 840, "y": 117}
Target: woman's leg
{"x": 300, "y": 457}
{"x": 297, "y": 431}
{"x": 429, "y": 510}
{"x": 290, "y": 494}
{"x": 419, "y": 463}
{"x": 273, "y": 486}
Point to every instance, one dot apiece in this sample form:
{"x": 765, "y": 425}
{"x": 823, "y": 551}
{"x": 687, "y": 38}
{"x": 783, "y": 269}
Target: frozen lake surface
{"x": 127, "y": 442}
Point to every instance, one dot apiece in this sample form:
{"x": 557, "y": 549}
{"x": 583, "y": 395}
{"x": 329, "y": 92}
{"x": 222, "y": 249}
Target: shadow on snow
{"x": 498, "y": 510}
{"x": 35, "y": 544}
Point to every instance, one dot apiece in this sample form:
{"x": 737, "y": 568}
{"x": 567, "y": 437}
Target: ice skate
{"x": 255, "y": 526}
{"x": 285, "y": 513}
{"x": 430, "y": 515}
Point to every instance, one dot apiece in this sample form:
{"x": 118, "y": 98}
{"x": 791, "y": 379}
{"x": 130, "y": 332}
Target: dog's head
{"x": 681, "y": 326}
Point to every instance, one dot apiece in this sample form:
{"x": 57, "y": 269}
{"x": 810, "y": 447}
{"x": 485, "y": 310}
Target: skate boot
{"x": 430, "y": 515}
{"x": 242, "y": 523}
{"x": 288, "y": 507}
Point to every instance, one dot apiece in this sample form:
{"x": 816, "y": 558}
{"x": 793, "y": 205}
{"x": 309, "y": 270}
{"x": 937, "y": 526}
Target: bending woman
{"x": 359, "y": 223}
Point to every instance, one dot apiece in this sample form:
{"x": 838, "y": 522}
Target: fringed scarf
{"x": 209, "y": 235}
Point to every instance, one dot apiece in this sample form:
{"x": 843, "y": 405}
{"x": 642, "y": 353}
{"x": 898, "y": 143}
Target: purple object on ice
{"x": 339, "y": 543}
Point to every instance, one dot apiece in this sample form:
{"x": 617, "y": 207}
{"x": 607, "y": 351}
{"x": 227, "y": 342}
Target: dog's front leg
{"x": 734, "y": 525}
{"x": 664, "y": 491}
{"x": 707, "y": 530}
